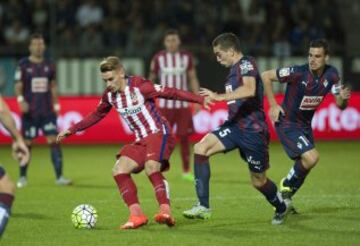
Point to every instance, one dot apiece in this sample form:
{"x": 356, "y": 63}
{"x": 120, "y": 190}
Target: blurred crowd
{"x": 136, "y": 27}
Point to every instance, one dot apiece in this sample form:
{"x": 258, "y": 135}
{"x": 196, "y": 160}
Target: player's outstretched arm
{"x": 343, "y": 97}
{"x": 268, "y": 77}
{"x": 248, "y": 90}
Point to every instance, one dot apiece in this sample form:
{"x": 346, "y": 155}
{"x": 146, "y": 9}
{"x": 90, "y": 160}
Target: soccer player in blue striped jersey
{"x": 244, "y": 130}
{"x": 36, "y": 93}
{"x": 307, "y": 85}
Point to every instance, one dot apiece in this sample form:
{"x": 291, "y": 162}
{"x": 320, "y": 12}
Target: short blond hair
{"x": 110, "y": 63}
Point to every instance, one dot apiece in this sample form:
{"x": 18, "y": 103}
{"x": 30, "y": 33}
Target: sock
{"x": 296, "y": 176}
{"x": 56, "y": 157}
{"x": 23, "y": 169}
{"x": 161, "y": 188}
{"x": 127, "y": 189}
{"x": 135, "y": 209}
{"x": 6, "y": 201}
{"x": 202, "y": 178}
{"x": 185, "y": 152}
{"x": 269, "y": 190}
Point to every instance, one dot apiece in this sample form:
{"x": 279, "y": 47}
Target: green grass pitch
{"x": 329, "y": 202}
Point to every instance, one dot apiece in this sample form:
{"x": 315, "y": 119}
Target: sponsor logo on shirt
{"x": 39, "y": 85}
{"x": 310, "y": 102}
{"x": 129, "y": 111}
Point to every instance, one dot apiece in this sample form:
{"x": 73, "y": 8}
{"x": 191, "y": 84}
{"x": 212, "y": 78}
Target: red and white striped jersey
{"x": 136, "y": 105}
{"x": 172, "y": 71}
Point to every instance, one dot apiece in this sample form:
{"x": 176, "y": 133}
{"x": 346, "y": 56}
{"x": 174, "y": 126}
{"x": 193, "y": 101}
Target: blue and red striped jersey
{"x": 304, "y": 92}
{"x": 247, "y": 113}
{"x": 36, "y": 79}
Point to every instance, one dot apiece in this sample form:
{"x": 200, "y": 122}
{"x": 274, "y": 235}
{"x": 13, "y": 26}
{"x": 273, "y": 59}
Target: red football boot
{"x": 134, "y": 222}
{"x": 164, "y": 218}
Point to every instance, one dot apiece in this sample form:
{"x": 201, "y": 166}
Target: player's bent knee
{"x": 311, "y": 159}
{"x": 200, "y": 149}
{"x": 7, "y": 185}
{"x": 121, "y": 167}
{"x": 152, "y": 167}
{"x": 258, "y": 179}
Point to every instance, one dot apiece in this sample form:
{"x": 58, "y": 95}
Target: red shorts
{"x": 182, "y": 117}
{"x": 157, "y": 147}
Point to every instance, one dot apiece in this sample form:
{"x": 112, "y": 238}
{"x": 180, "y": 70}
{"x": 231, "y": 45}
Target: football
{"x": 84, "y": 216}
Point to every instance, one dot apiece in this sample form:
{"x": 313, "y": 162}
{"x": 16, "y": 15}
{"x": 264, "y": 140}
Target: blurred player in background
{"x": 175, "y": 68}
{"x": 20, "y": 152}
{"x": 36, "y": 93}
{"x": 133, "y": 97}
{"x": 307, "y": 85}
{"x": 245, "y": 130}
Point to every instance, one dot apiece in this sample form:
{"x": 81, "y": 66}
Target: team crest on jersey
{"x": 46, "y": 69}
{"x": 310, "y": 102}
{"x": 133, "y": 97}
{"x": 29, "y": 70}
{"x": 283, "y": 72}
{"x": 245, "y": 67}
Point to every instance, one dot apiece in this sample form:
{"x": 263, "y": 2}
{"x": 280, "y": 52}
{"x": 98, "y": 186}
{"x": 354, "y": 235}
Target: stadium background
{"x": 79, "y": 33}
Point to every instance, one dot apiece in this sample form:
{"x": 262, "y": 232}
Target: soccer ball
{"x": 84, "y": 216}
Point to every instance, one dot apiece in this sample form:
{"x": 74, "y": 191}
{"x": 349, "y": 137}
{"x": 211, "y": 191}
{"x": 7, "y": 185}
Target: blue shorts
{"x": 253, "y": 146}
{"x": 31, "y": 125}
{"x": 2, "y": 171}
{"x": 295, "y": 140}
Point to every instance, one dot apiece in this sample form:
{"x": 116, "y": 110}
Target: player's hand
{"x": 208, "y": 102}
{"x": 56, "y": 108}
{"x": 20, "y": 152}
{"x": 274, "y": 112}
{"x": 208, "y": 93}
{"x": 345, "y": 93}
{"x": 24, "y": 107}
{"x": 62, "y": 135}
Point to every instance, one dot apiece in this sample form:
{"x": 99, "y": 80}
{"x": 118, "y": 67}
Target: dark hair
{"x": 171, "y": 32}
{"x": 226, "y": 41}
{"x": 320, "y": 43}
{"x": 35, "y": 35}
{"x": 110, "y": 63}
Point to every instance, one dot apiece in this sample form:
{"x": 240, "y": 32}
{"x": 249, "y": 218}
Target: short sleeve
{"x": 155, "y": 64}
{"x": 247, "y": 68}
{"x": 336, "y": 81}
{"x": 191, "y": 62}
{"x": 288, "y": 74}
{"x": 52, "y": 75}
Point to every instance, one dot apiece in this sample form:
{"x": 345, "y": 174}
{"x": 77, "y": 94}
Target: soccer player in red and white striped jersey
{"x": 175, "y": 68}
{"x": 134, "y": 98}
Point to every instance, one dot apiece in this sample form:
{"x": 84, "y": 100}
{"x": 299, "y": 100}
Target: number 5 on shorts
{"x": 224, "y": 132}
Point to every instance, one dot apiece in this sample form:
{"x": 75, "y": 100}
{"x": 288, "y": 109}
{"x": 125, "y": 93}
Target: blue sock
{"x": 6, "y": 201}
{"x": 269, "y": 190}
{"x": 23, "y": 169}
{"x": 56, "y": 157}
{"x": 202, "y": 178}
{"x": 296, "y": 176}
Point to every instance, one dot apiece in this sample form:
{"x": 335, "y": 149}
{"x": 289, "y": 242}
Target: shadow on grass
{"x": 93, "y": 186}
{"x": 33, "y": 216}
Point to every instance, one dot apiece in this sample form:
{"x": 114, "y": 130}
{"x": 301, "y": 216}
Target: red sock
{"x": 185, "y": 152}
{"x": 127, "y": 188}
{"x": 161, "y": 188}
